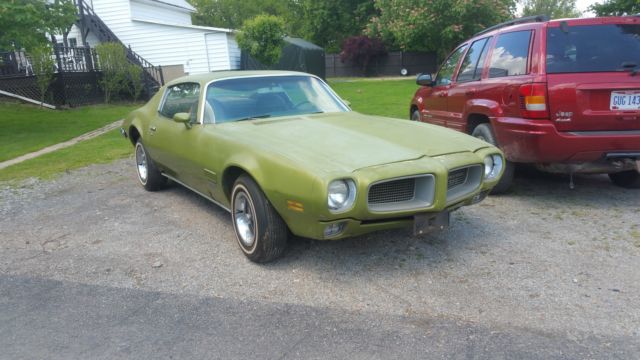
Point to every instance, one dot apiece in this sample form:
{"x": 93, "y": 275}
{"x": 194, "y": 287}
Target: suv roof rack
{"x": 522, "y": 20}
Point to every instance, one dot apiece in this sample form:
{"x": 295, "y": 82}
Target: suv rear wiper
{"x": 630, "y": 65}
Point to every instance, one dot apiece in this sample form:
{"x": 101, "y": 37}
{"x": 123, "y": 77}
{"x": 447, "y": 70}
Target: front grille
{"x": 392, "y": 191}
{"x": 464, "y": 181}
{"x": 457, "y": 178}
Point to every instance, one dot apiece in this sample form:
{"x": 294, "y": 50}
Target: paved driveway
{"x": 92, "y": 266}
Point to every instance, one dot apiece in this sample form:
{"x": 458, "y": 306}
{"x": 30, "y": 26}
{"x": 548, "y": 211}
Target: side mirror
{"x": 424, "y": 80}
{"x": 184, "y": 118}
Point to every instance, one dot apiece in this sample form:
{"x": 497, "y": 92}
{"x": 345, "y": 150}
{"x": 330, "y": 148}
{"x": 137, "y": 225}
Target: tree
{"x": 24, "y": 23}
{"x": 328, "y": 23}
{"x": 555, "y": 9}
{"x": 434, "y": 25}
{"x": 263, "y": 38}
{"x": 115, "y": 69}
{"x": 616, "y": 8}
{"x": 135, "y": 75}
{"x": 231, "y": 14}
{"x": 360, "y": 50}
{"x": 43, "y": 68}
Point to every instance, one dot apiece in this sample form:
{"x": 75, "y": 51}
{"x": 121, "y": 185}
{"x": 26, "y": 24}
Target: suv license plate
{"x": 625, "y": 100}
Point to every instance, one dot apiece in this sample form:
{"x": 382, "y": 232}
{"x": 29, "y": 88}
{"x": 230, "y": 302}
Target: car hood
{"x": 349, "y": 141}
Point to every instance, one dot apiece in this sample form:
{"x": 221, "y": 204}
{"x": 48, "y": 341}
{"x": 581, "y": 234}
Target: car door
{"x": 435, "y": 105}
{"x": 466, "y": 84}
{"x": 168, "y": 140}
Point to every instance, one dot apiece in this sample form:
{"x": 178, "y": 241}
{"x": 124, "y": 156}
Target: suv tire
{"x": 629, "y": 179}
{"x": 484, "y": 132}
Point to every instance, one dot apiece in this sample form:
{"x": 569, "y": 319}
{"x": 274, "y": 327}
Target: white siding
{"x": 217, "y": 51}
{"x": 199, "y": 50}
{"x": 92, "y": 40}
{"x": 154, "y": 11}
{"x": 234, "y": 52}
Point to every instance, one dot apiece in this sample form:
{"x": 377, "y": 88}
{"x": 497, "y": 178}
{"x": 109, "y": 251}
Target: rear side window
{"x": 471, "y": 68}
{"x": 181, "y": 98}
{"x": 445, "y": 75}
{"x": 509, "y": 57}
{"x": 593, "y": 48}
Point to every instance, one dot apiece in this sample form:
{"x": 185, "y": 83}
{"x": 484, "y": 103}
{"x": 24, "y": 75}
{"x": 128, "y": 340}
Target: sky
{"x": 582, "y": 5}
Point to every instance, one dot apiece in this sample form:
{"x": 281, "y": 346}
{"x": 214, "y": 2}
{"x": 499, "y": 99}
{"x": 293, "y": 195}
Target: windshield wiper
{"x": 264, "y": 116}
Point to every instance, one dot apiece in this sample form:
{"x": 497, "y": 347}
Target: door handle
{"x": 153, "y": 128}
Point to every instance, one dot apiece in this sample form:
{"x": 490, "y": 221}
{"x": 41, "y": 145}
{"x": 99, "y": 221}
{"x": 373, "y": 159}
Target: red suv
{"x": 562, "y": 94}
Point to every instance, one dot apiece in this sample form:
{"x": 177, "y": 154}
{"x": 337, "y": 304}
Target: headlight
{"x": 492, "y": 166}
{"x": 341, "y": 194}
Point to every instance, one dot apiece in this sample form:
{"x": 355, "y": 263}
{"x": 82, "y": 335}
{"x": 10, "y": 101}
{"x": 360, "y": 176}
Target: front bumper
{"x": 538, "y": 141}
{"x": 361, "y": 219}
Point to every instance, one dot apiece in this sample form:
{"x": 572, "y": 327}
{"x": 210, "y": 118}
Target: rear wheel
{"x": 261, "y": 232}
{"x": 484, "y": 132}
{"x": 148, "y": 174}
{"x": 628, "y": 179}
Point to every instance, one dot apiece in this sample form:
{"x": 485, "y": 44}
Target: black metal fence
{"x": 77, "y": 76}
{"x": 390, "y": 64}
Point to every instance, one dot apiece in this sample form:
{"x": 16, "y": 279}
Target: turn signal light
{"x": 533, "y": 101}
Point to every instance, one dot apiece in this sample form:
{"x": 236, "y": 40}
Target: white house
{"x": 162, "y": 33}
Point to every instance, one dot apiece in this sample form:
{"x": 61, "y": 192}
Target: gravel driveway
{"x": 555, "y": 268}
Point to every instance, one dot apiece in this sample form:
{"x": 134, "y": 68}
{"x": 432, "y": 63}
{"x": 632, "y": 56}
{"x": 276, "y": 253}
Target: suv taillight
{"x": 533, "y": 101}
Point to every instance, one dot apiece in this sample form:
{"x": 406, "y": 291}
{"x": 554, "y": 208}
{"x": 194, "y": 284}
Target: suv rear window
{"x": 509, "y": 57}
{"x": 592, "y": 48}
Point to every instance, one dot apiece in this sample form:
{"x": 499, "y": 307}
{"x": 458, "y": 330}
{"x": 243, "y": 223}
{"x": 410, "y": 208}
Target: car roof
{"x": 541, "y": 21}
{"x": 218, "y": 75}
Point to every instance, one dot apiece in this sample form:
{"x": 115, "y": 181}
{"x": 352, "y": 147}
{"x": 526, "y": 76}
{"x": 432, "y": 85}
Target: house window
{"x": 73, "y": 42}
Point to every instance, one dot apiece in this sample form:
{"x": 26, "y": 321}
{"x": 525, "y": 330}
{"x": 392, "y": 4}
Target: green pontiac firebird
{"x": 282, "y": 152}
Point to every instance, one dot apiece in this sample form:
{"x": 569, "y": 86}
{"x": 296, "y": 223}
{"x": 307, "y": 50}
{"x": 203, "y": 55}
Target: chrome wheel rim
{"x": 244, "y": 217}
{"x": 141, "y": 163}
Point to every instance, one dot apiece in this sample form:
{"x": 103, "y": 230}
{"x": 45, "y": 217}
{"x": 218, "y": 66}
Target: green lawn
{"x": 27, "y": 128}
{"x": 377, "y": 97}
{"x": 102, "y": 149}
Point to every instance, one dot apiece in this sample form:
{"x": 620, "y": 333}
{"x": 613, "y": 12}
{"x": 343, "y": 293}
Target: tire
{"x": 260, "y": 231}
{"x": 629, "y": 179}
{"x": 484, "y": 132}
{"x": 148, "y": 174}
{"x": 415, "y": 115}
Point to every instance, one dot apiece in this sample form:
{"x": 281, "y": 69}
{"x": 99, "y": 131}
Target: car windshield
{"x": 593, "y": 48}
{"x": 268, "y": 96}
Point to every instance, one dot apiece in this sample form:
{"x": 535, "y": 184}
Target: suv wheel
{"x": 628, "y": 179}
{"x": 415, "y": 115}
{"x": 484, "y": 132}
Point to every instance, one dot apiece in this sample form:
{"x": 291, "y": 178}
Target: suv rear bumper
{"x": 538, "y": 141}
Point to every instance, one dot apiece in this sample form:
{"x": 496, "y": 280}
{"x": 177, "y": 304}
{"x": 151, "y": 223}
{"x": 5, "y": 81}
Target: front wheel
{"x": 415, "y": 115}
{"x": 261, "y": 232}
{"x": 629, "y": 179}
{"x": 484, "y": 132}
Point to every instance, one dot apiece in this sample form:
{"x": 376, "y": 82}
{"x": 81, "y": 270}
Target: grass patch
{"x": 102, "y": 149}
{"x": 28, "y": 128}
{"x": 377, "y": 97}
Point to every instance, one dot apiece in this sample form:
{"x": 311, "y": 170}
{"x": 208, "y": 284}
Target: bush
{"x": 115, "y": 67}
{"x": 43, "y": 68}
{"x": 360, "y": 50}
{"x": 263, "y": 38}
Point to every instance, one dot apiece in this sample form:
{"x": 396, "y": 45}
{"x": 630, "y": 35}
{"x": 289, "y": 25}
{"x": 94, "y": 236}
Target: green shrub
{"x": 43, "y": 68}
{"x": 263, "y": 38}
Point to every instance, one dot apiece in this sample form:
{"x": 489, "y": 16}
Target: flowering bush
{"x": 359, "y": 50}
